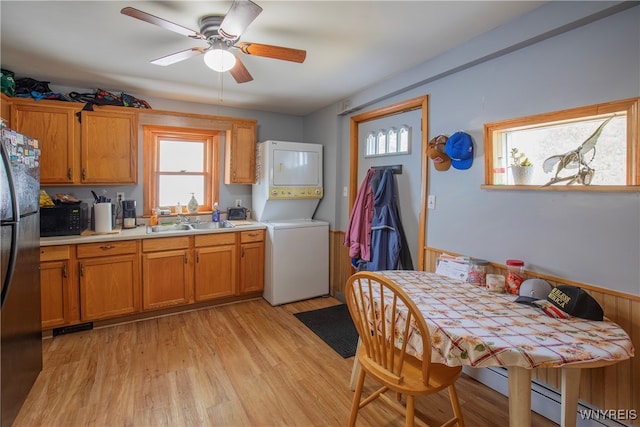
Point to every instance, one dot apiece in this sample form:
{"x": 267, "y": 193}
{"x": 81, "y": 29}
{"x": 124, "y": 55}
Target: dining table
{"x": 471, "y": 326}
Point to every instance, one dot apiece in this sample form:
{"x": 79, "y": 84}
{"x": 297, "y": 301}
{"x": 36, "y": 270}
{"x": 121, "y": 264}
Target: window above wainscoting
{"x": 591, "y": 148}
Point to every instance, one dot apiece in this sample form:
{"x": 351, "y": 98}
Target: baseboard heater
{"x": 545, "y": 400}
{"x": 73, "y": 328}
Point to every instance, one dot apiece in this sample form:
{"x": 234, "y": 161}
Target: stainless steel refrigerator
{"x": 21, "y": 345}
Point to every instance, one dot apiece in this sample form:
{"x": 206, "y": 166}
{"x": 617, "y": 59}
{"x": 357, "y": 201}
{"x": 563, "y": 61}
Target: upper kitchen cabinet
{"x": 109, "y": 147}
{"x": 80, "y": 147}
{"x": 5, "y": 110}
{"x": 56, "y": 127}
{"x": 240, "y": 154}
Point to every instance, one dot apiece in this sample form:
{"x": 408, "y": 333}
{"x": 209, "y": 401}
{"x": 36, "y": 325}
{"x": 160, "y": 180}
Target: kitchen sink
{"x": 167, "y": 228}
{"x": 189, "y": 227}
{"x": 210, "y": 225}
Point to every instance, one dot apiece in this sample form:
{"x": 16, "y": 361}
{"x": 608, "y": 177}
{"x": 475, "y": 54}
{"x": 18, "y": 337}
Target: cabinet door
{"x": 5, "y": 109}
{"x": 55, "y": 128}
{"x": 251, "y": 267}
{"x": 215, "y": 272}
{"x": 165, "y": 279}
{"x": 109, "y": 287}
{"x": 54, "y": 291}
{"x": 109, "y": 148}
{"x": 240, "y": 154}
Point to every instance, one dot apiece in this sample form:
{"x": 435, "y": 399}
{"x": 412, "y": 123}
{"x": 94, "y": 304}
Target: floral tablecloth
{"x": 472, "y": 326}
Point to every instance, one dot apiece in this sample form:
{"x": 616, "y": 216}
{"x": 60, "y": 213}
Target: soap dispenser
{"x": 215, "y": 215}
{"x": 192, "y": 206}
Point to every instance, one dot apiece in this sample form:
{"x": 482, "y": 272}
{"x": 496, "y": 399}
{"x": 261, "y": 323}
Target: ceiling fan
{"x": 222, "y": 33}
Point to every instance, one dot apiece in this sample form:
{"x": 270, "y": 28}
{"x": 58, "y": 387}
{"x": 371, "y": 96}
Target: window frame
{"x": 152, "y": 136}
{"x": 630, "y": 106}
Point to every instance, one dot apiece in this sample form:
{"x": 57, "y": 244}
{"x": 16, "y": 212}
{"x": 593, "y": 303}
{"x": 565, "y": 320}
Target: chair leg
{"x": 355, "y": 405}
{"x": 355, "y": 369}
{"x": 455, "y": 405}
{"x": 410, "y": 411}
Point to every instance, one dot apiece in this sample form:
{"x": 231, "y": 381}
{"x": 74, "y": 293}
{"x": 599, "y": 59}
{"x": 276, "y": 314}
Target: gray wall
{"x": 560, "y": 56}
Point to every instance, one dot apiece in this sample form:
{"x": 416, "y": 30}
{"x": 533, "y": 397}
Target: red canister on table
{"x": 515, "y": 275}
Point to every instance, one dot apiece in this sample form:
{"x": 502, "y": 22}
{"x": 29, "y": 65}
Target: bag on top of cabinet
{"x": 8, "y": 83}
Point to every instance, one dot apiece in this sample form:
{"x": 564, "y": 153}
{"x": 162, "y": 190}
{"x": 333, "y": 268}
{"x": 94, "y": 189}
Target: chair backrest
{"x": 387, "y": 321}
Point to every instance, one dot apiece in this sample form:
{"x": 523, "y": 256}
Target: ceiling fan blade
{"x": 240, "y": 72}
{"x": 240, "y": 15}
{"x": 168, "y": 25}
{"x": 269, "y": 51}
{"x": 179, "y": 56}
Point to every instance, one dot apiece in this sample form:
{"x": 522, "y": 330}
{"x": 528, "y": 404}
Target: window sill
{"x": 174, "y": 215}
{"x": 576, "y": 188}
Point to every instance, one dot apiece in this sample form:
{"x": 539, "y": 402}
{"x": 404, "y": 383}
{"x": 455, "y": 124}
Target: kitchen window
{"x": 592, "y": 148}
{"x": 177, "y": 163}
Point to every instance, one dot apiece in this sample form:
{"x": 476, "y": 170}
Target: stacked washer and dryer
{"x": 285, "y": 198}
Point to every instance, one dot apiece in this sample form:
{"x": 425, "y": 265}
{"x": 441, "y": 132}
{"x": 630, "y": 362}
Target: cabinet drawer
{"x": 165, "y": 244}
{"x": 216, "y": 239}
{"x": 252, "y": 236}
{"x": 55, "y": 253}
{"x": 107, "y": 248}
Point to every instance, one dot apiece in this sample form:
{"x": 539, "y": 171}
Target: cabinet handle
{"x": 81, "y": 270}
{"x": 64, "y": 271}
{"x": 242, "y": 252}
{"x": 186, "y": 259}
{"x": 197, "y": 257}
{"x": 69, "y": 174}
{"x": 84, "y": 173}
{"x": 254, "y": 234}
{"x": 107, "y": 247}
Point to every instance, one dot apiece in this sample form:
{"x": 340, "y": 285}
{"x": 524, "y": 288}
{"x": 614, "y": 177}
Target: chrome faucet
{"x": 181, "y": 219}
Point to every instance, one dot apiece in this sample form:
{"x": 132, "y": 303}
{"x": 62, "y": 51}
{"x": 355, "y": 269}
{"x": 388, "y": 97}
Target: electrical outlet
{"x": 120, "y": 197}
{"x": 238, "y": 203}
{"x": 431, "y": 202}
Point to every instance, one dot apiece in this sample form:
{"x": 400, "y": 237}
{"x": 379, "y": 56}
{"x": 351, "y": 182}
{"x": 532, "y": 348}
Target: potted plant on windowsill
{"x": 522, "y": 168}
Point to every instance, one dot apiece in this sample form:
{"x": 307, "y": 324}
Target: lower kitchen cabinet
{"x": 215, "y": 266}
{"x": 59, "y": 299}
{"x": 251, "y": 261}
{"x": 166, "y": 273}
{"x": 109, "y": 279}
{"x": 99, "y": 281}
{"x": 54, "y": 280}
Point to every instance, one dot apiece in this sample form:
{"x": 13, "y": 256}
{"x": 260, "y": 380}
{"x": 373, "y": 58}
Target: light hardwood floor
{"x": 243, "y": 364}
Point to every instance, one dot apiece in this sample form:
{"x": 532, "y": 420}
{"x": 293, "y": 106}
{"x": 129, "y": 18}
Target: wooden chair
{"x": 371, "y": 299}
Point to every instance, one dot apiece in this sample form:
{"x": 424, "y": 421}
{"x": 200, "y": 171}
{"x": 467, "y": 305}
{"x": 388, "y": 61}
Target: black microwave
{"x": 63, "y": 219}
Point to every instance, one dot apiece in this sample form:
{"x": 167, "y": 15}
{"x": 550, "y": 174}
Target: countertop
{"x": 140, "y": 232}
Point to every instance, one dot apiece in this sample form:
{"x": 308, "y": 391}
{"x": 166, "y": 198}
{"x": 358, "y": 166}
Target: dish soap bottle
{"x": 192, "y": 206}
{"x": 215, "y": 215}
{"x": 153, "y": 220}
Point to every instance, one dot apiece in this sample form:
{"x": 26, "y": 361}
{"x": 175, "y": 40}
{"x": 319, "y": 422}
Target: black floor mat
{"x": 334, "y": 326}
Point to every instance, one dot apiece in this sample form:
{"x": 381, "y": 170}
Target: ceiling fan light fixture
{"x": 219, "y": 60}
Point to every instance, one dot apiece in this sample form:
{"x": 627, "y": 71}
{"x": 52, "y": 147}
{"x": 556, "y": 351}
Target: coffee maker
{"x": 128, "y": 214}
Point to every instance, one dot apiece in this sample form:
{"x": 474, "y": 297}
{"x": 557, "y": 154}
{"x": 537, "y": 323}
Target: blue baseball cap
{"x": 459, "y": 148}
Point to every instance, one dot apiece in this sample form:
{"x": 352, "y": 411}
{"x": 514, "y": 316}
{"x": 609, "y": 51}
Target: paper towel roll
{"x": 102, "y": 211}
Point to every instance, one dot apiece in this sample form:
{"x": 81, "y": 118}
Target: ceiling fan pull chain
{"x": 221, "y": 91}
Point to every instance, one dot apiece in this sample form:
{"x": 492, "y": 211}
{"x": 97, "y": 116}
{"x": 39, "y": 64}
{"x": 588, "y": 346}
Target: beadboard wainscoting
{"x": 339, "y": 264}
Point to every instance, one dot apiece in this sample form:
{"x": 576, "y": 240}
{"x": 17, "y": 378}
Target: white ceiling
{"x": 350, "y": 46}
